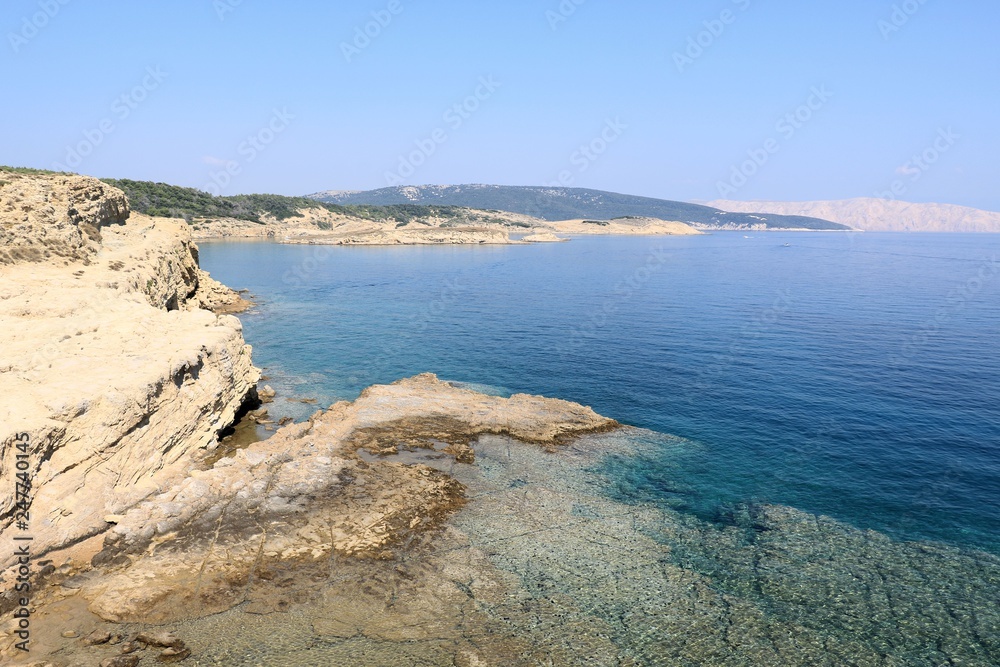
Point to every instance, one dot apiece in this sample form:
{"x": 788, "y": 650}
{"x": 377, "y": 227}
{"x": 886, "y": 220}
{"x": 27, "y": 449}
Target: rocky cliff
{"x": 42, "y": 218}
{"x": 110, "y": 367}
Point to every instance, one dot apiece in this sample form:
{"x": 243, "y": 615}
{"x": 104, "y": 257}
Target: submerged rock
{"x": 363, "y": 480}
{"x": 161, "y": 639}
{"x": 130, "y": 647}
{"x": 366, "y": 537}
{"x": 121, "y": 661}
{"x": 97, "y": 637}
{"x": 174, "y": 655}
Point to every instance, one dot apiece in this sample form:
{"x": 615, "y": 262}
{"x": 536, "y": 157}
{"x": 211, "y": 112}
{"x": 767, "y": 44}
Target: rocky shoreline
{"x": 422, "y": 523}
{"x": 124, "y": 368}
{"x": 433, "y": 236}
{"x": 116, "y": 370}
{"x": 319, "y": 227}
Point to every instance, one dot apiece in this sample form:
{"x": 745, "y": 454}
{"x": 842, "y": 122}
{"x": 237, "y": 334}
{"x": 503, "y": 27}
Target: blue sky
{"x": 269, "y": 92}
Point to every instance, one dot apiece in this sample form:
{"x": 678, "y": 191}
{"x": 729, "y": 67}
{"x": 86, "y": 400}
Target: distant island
{"x": 881, "y": 215}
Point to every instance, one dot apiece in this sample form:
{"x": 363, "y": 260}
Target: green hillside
{"x": 554, "y": 203}
{"x": 171, "y": 201}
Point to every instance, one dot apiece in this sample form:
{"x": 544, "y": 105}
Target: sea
{"x": 851, "y": 375}
{"x": 808, "y": 471}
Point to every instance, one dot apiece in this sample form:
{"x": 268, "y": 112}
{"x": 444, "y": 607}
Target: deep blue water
{"x": 852, "y": 375}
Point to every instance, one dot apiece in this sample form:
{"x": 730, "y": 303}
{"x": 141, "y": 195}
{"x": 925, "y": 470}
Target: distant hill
{"x": 172, "y": 201}
{"x": 882, "y": 215}
{"x": 572, "y": 203}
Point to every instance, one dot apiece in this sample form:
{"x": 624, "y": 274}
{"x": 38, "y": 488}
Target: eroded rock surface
{"x": 216, "y": 297}
{"x": 58, "y": 216}
{"x": 543, "y": 237}
{"x": 363, "y": 480}
{"x": 630, "y": 226}
{"x": 108, "y": 364}
{"x": 428, "y": 524}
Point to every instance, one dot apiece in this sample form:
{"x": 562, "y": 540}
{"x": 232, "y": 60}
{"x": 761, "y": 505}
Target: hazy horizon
{"x": 727, "y": 100}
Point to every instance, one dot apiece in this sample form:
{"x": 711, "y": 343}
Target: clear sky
{"x": 293, "y": 101}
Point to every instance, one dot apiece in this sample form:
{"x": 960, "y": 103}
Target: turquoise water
{"x": 856, "y": 376}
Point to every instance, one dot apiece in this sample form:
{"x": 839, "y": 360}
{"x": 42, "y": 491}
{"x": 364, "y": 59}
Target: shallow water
{"x": 855, "y": 376}
{"x": 543, "y": 568}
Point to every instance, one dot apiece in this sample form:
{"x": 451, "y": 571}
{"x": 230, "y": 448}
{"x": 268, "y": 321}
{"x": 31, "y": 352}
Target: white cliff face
{"x": 107, "y": 363}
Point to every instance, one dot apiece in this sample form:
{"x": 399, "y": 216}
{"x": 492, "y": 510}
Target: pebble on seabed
{"x": 97, "y": 637}
{"x": 174, "y": 654}
{"x": 121, "y": 661}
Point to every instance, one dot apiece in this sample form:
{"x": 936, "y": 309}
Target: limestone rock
{"x": 130, "y": 647}
{"x": 630, "y": 226}
{"x": 174, "y": 654}
{"x": 111, "y": 372}
{"x": 55, "y": 216}
{"x": 97, "y": 637}
{"x": 216, "y": 297}
{"x": 160, "y": 639}
{"x": 359, "y": 481}
{"x": 407, "y": 236}
{"x": 322, "y": 222}
{"x": 543, "y": 237}
{"x": 121, "y": 661}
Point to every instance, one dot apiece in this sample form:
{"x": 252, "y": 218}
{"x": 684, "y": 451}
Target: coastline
{"x": 422, "y": 521}
{"x": 311, "y": 229}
